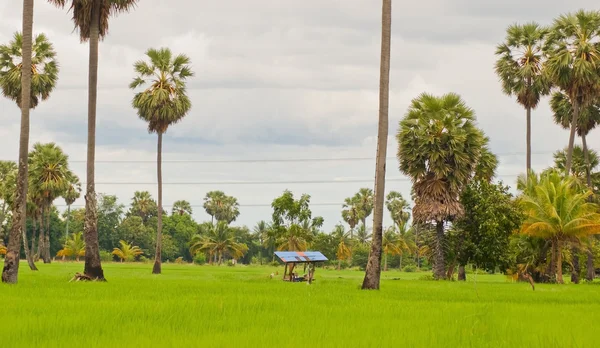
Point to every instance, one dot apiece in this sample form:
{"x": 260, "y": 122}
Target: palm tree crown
{"x": 44, "y": 69}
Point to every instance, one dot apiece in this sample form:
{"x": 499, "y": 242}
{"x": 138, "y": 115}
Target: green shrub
{"x": 427, "y": 277}
{"x": 409, "y": 269}
{"x": 230, "y": 263}
{"x": 360, "y": 257}
{"x": 343, "y": 265}
{"x": 199, "y": 259}
{"x": 106, "y": 256}
{"x": 274, "y": 263}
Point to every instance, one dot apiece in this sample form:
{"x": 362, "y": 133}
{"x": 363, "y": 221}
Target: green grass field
{"x": 192, "y": 306}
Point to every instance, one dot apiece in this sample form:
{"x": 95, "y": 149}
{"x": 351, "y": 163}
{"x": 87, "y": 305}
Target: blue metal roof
{"x": 300, "y": 256}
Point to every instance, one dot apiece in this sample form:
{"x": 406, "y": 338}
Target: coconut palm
{"x": 10, "y": 272}
{"x": 398, "y": 208}
{"x": 440, "y": 149}
{"x": 182, "y": 208}
{"x": 44, "y": 69}
{"x": 558, "y": 211}
{"x": 390, "y": 245}
{"x": 363, "y": 237}
{"x": 351, "y": 213}
{"x": 161, "y": 105}
{"x": 294, "y": 238}
{"x": 74, "y": 247}
{"x": 91, "y": 20}
{"x": 588, "y": 119}
{"x": 519, "y": 66}
{"x": 573, "y": 60}
{"x": 71, "y": 194}
{"x": 127, "y": 252}
{"x": 218, "y": 242}
{"x": 343, "y": 241}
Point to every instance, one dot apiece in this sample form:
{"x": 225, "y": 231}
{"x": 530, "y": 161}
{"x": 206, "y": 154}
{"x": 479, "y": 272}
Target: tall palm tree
{"x": 74, "y": 247}
{"x": 221, "y": 207}
{"x": 343, "y": 241}
{"x": 182, "y": 208}
{"x": 573, "y": 60}
{"x": 71, "y": 194}
{"x": 364, "y": 201}
{"x": 10, "y": 272}
{"x": 351, "y": 213}
{"x": 440, "y": 148}
{"x": 91, "y": 19}
{"x": 398, "y": 208}
{"x": 218, "y": 242}
{"x": 127, "y": 252}
{"x": 161, "y": 105}
{"x": 558, "y": 211}
{"x": 519, "y": 67}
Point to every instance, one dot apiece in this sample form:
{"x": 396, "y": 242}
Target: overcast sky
{"x": 279, "y": 80}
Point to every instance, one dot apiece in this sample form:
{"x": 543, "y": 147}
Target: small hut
{"x": 292, "y": 258}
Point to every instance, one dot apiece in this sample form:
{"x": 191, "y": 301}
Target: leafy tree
{"x": 127, "y": 252}
{"x": 490, "y": 218}
{"x": 74, "y": 247}
{"x": 558, "y": 211}
{"x": 181, "y": 228}
{"x": 364, "y": 201}
{"x": 398, "y": 208}
{"x": 440, "y": 148}
{"x": 8, "y": 175}
{"x": 520, "y": 68}
{"x": 218, "y": 241}
{"x": 579, "y": 167}
{"x": 260, "y": 233}
{"x": 163, "y": 104}
{"x": 290, "y": 217}
{"x": 110, "y": 214}
{"x": 221, "y": 207}
{"x": 181, "y": 208}
{"x": 133, "y": 230}
{"x": 91, "y": 20}
{"x": 390, "y": 245}
{"x": 573, "y": 60}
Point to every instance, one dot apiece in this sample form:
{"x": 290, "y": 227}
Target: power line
{"x": 202, "y": 206}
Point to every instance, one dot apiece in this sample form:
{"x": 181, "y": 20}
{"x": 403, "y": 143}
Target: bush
{"x": 199, "y": 259}
{"x": 179, "y": 260}
{"x": 274, "y": 263}
{"x": 106, "y": 256}
{"x": 360, "y": 257}
{"x": 409, "y": 269}
{"x": 230, "y": 263}
{"x": 427, "y": 277}
{"x": 343, "y": 265}
{"x": 144, "y": 259}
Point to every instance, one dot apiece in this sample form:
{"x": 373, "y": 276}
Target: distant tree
{"x": 127, "y": 252}
{"x": 260, "y": 233}
{"x": 390, "y": 246}
{"x": 110, "y": 215}
{"x": 364, "y": 201}
{"x": 70, "y": 195}
{"x": 342, "y": 238}
{"x": 398, "y": 208}
{"x": 351, "y": 213}
{"x": 133, "y": 229}
{"x": 143, "y": 205}
{"x": 221, "y": 207}
{"x": 218, "y": 242}
{"x": 74, "y": 247}
{"x": 182, "y": 207}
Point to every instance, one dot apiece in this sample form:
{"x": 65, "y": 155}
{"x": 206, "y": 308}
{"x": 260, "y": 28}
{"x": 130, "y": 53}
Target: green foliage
{"x": 182, "y": 208}
{"x": 132, "y": 229}
{"x": 218, "y": 241}
{"x": 127, "y": 251}
{"x": 409, "y": 269}
{"x": 398, "y": 208}
{"x": 143, "y": 205}
{"x": 106, "y": 256}
{"x": 360, "y": 256}
{"x": 221, "y": 207}
{"x": 199, "y": 259}
{"x": 73, "y": 247}
{"x": 110, "y": 214}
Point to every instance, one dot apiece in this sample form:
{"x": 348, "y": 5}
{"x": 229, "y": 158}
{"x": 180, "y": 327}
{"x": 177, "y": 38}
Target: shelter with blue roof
{"x": 308, "y": 258}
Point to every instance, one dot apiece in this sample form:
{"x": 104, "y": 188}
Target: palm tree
{"x": 8, "y": 182}
{"x": 364, "y": 201}
{"x": 91, "y": 19}
{"x": 143, "y": 205}
{"x": 72, "y": 193}
{"x": 440, "y": 148}
{"x": 390, "y": 246}
{"x": 558, "y": 211}
{"x": 127, "y": 252}
{"x": 519, "y": 67}
{"x": 10, "y": 271}
{"x": 74, "y": 246}
{"x": 295, "y": 238}
{"x": 218, "y": 242}
{"x": 343, "y": 240}
{"x": 573, "y": 60}
{"x": 588, "y": 119}
{"x": 260, "y": 233}
{"x": 363, "y": 237}
{"x": 351, "y": 213}
{"x": 161, "y": 105}
{"x": 49, "y": 179}
{"x": 397, "y": 206}
{"x": 221, "y": 207}
{"x": 182, "y": 208}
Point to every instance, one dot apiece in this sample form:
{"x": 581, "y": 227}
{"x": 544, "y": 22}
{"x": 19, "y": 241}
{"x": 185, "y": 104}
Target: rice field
{"x": 205, "y": 306}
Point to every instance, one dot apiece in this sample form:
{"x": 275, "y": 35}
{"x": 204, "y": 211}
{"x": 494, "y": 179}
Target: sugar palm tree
{"x": 91, "y": 18}
{"x": 161, "y": 105}
{"x": 351, "y": 213}
{"x": 71, "y": 194}
{"x": 440, "y": 148}
{"x": 74, "y": 247}
{"x": 573, "y": 60}
{"x": 343, "y": 241}
{"x": 398, "y": 208}
{"x": 10, "y": 272}
{"x": 364, "y": 201}
{"x": 182, "y": 208}
{"x": 221, "y": 207}
{"x": 558, "y": 211}
{"x": 127, "y": 252}
{"x": 218, "y": 242}
{"x": 579, "y": 167}
{"x": 143, "y": 205}
{"x": 519, "y": 66}
{"x": 588, "y": 119}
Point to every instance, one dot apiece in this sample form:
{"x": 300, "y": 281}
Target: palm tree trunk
{"x": 385, "y": 263}
{"x": 528, "y": 140}
{"x": 47, "y": 258}
{"x": 339, "y": 265}
{"x": 576, "y": 270}
{"x": 559, "y": 275}
{"x": 440, "y": 265}
{"x": 10, "y": 272}
{"x": 41, "y": 238}
{"x": 157, "y": 260}
{"x": 34, "y": 225}
{"x": 28, "y": 255}
{"x": 554, "y": 260}
{"x": 462, "y": 275}
{"x": 373, "y": 271}
{"x": 586, "y": 156}
{"x": 400, "y": 264}
{"x": 572, "y": 135}
{"x": 93, "y": 266}
{"x": 590, "y": 266}
{"x": 68, "y": 220}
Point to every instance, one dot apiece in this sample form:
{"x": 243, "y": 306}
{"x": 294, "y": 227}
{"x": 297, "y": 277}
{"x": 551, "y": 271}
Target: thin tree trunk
{"x": 400, "y": 264}
{"x": 28, "y": 255}
{"x": 559, "y": 275}
{"x": 439, "y": 270}
{"x": 554, "y": 260}
{"x": 157, "y": 260}
{"x": 528, "y": 140}
{"x": 591, "y": 272}
{"x": 68, "y": 220}
{"x": 586, "y": 156}
{"x": 385, "y": 263}
{"x": 576, "y": 270}
{"x": 41, "y": 238}
{"x": 10, "y": 272}
{"x": 93, "y": 266}
{"x": 462, "y": 275}
{"x": 572, "y": 135}
{"x": 47, "y": 257}
{"x": 373, "y": 271}
{"x": 34, "y": 223}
